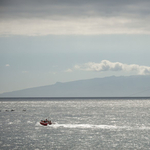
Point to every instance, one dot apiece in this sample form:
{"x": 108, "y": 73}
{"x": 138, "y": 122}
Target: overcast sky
{"x": 86, "y": 17}
{"x": 48, "y": 41}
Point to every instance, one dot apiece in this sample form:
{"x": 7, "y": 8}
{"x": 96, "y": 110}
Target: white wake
{"x": 92, "y": 126}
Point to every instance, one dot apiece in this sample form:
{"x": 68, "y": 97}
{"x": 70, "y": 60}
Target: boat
{"x": 45, "y": 122}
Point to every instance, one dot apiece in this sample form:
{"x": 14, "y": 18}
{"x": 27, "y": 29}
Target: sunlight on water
{"x": 79, "y": 124}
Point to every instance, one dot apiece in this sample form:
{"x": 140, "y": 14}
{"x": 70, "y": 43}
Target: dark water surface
{"x": 81, "y": 124}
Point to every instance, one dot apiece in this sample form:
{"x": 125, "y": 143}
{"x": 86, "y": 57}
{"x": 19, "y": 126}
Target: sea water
{"x": 80, "y": 124}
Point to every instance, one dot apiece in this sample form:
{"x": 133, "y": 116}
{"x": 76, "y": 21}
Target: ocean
{"x": 80, "y": 124}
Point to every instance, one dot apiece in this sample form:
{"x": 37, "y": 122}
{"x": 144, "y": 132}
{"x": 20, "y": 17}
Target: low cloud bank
{"x": 63, "y": 17}
{"x": 106, "y": 65}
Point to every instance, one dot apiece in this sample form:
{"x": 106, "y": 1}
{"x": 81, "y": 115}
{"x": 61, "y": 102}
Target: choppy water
{"x": 105, "y": 124}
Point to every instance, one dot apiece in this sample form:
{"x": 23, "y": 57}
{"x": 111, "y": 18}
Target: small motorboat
{"x": 45, "y": 122}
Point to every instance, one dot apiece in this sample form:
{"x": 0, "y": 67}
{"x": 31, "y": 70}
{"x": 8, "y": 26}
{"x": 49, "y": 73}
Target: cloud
{"x": 74, "y": 26}
{"x": 49, "y": 8}
{"x": 24, "y": 71}
{"x": 45, "y": 17}
{"x": 7, "y": 65}
{"x": 106, "y": 65}
{"x": 68, "y": 70}
{"x": 52, "y": 72}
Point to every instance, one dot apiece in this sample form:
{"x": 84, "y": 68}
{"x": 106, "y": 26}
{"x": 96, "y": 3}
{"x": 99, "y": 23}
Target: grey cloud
{"x": 43, "y": 17}
{"x": 48, "y": 8}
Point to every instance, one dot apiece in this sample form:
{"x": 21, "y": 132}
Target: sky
{"x": 49, "y": 41}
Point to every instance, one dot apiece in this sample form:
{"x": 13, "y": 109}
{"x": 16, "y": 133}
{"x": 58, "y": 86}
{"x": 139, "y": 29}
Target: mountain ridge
{"x": 112, "y": 86}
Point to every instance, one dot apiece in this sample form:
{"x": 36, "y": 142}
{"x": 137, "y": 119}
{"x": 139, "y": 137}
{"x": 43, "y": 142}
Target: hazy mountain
{"x": 123, "y": 86}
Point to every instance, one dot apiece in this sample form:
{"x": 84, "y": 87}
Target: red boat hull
{"x": 45, "y": 123}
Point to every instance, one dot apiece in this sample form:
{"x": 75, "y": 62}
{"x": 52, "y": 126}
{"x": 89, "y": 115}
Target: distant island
{"x": 122, "y": 86}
